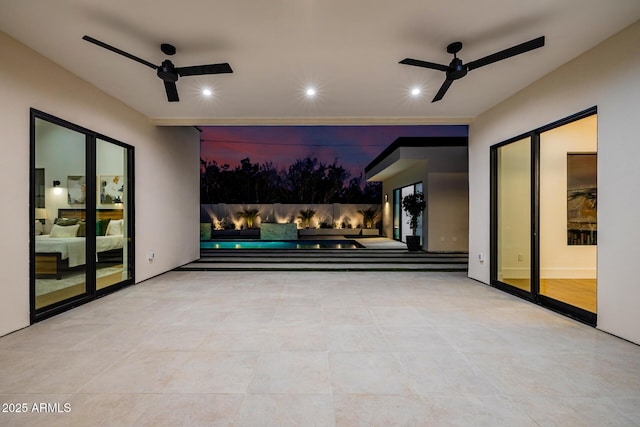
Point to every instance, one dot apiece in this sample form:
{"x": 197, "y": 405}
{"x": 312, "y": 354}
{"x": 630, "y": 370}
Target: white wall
{"x": 166, "y": 160}
{"x": 608, "y": 77}
{"x": 448, "y": 212}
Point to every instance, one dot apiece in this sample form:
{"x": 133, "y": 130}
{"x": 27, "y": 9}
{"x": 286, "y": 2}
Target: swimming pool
{"x": 280, "y": 244}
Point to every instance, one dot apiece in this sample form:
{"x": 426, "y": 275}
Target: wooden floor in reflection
{"x": 102, "y": 281}
{"x": 580, "y": 293}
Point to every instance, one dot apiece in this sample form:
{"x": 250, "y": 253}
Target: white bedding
{"x": 73, "y": 248}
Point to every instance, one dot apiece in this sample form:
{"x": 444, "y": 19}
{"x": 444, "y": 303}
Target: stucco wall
{"x": 166, "y": 161}
{"x": 608, "y": 77}
{"x": 331, "y": 214}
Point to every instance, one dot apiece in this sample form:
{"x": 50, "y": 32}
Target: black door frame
{"x": 534, "y": 294}
{"x": 90, "y": 216}
{"x": 399, "y": 192}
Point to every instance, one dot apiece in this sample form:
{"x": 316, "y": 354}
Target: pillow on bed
{"x": 101, "y": 226}
{"x": 66, "y": 221}
{"x": 38, "y": 227}
{"x": 82, "y": 229}
{"x": 115, "y": 227}
{"x": 64, "y": 230}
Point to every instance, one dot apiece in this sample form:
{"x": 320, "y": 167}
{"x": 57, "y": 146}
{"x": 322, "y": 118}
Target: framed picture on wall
{"x": 76, "y": 189}
{"x": 111, "y": 189}
{"x": 582, "y": 199}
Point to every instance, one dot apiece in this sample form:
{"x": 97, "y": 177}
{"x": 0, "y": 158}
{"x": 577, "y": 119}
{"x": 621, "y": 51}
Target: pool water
{"x": 280, "y": 244}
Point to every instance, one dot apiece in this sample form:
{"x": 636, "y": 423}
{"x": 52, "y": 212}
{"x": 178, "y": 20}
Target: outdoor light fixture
{"x": 56, "y": 183}
{"x": 386, "y": 198}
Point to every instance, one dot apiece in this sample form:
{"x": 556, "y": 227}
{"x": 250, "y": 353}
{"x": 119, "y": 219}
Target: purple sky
{"x": 353, "y": 146}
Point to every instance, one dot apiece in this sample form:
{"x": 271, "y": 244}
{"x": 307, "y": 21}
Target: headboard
{"x": 100, "y": 213}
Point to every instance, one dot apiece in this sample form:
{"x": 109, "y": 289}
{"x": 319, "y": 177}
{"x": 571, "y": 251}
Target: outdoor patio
{"x": 318, "y": 348}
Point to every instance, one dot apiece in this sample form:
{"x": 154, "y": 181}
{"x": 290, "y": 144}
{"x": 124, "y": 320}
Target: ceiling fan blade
{"x": 443, "y": 89}
{"x": 424, "y": 64}
{"x": 172, "y": 91}
{"x": 507, "y": 53}
{"x": 119, "y": 51}
{"x": 198, "y": 70}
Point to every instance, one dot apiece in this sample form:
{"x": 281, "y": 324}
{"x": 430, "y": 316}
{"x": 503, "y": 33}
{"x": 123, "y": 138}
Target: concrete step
{"x": 325, "y": 260}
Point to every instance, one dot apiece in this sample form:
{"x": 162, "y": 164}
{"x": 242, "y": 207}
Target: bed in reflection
{"x": 64, "y": 248}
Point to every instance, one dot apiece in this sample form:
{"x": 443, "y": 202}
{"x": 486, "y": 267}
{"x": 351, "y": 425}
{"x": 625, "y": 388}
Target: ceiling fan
{"x": 457, "y": 69}
{"x": 168, "y": 72}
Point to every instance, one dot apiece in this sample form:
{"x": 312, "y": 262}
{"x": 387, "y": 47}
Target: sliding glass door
{"x": 568, "y": 214}
{"x": 60, "y": 260}
{"x": 514, "y": 214}
{"x": 113, "y": 252}
{"x": 81, "y": 209}
{"x": 544, "y": 216}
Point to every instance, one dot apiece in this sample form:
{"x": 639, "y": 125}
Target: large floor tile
{"x": 287, "y": 410}
{"x": 366, "y": 410}
{"x": 368, "y": 373}
{"x": 291, "y": 373}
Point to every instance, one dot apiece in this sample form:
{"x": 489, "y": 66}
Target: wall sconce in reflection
{"x": 386, "y": 198}
{"x": 56, "y": 187}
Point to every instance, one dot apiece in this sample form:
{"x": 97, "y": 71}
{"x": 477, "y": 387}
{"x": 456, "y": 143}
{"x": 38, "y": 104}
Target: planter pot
{"x": 205, "y": 231}
{"x": 413, "y": 243}
{"x": 370, "y": 232}
{"x": 250, "y": 232}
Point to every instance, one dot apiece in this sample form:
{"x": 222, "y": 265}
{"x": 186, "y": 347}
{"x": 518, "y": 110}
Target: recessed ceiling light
{"x": 207, "y": 92}
{"x": 415, "y": 91}
{"x": 311, "y": 92}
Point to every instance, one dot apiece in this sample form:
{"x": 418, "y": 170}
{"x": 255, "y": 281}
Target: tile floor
{"x": 317, "y": 349}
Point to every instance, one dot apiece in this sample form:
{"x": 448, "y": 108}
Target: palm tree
{"x": 368, "y": 216}
{"x": 249, "y": 215}
{"x": 306, "y": 215}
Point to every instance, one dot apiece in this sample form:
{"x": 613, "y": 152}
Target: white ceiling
{"x": 348, "y": 49}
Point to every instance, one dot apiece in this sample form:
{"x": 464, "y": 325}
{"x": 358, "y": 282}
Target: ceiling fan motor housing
{"x": 167, "y": 71}
{"x": 457, "y": 69}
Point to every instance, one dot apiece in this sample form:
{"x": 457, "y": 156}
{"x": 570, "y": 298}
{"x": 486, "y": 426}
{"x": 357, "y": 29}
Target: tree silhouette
{"x": 307, "y": 180}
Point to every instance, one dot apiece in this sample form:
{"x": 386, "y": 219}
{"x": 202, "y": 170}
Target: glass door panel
{"x": 401, "y": 219}
{"x": 514, "y": 214}
{"x": 568, "y": 213}
{"x": 113, "y": 253}
{"x": 404, "y": 217}
{"x": 396, "y": 213}
{"x": 60, "y": 226}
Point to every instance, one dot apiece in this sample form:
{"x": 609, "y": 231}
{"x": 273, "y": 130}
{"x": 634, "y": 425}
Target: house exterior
{"x": 436, "y": 167}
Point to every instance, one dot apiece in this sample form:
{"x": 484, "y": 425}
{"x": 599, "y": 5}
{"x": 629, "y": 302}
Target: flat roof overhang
{"x": 439, "y": 154}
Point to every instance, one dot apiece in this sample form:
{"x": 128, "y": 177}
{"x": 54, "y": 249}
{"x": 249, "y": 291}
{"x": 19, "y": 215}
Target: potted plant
{"x": 306, "y": 215}
{"x": 368, "y": 217}
{"x": 413, "y": 205}
{"x": 250, "y": 216}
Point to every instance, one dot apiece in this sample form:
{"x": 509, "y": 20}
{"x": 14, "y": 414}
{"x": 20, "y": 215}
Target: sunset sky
{"x": 353, "y": 146}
